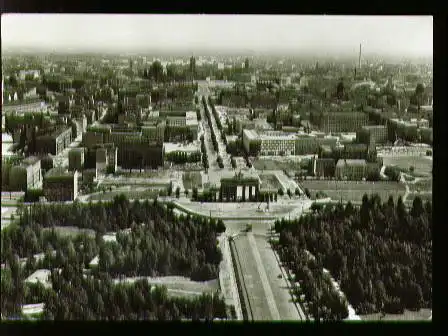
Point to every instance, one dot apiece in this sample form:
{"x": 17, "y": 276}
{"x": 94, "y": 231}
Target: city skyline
{"x": 406, "y": 36}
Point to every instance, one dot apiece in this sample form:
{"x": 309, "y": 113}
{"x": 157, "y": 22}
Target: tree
{"x": 297, "y": 192}
{"x": 170, "y": 189}
{"x": 307, "y": 193}
{"x": 280, "y": 191}
{"x": 289, "y": 193}
{"x": 177, "y": 192}
{"x": 156, "y": 71}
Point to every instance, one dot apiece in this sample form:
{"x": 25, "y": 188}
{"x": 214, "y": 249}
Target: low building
{"x": 60, "y": 185}
{"x": 354, "y": 170}
{"x": 336, "y": 122}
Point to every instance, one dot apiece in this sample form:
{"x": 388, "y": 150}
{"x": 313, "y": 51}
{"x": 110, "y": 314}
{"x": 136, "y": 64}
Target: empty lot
{"x": 422, "y": 164}
{"x": 192, "y": 179}
{"x": 354, "y": 190}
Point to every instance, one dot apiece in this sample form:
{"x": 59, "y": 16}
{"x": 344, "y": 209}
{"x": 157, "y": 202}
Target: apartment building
{"x": 60, "y": 184}
{"x": 337, "y": 122}
{"x": 354, "y": 170}
{"x": 306, "y": 144}
{"x": 371, "y": 135}
{"x": 55, "y": 142}
{"x": 26, "y": 175}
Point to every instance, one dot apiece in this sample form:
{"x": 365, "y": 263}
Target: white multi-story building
{"x": 272, "y": 143}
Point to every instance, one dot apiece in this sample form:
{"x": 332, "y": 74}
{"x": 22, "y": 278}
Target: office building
{"x": 354, "y": 170}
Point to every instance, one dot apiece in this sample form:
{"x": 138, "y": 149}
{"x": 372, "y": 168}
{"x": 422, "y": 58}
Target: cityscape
{"x": 216, "y": 167}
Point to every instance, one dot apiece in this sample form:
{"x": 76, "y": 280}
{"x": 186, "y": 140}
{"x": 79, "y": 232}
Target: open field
{"x": 192, "y": 179}
{"x": 422, "y": 164}
{"x": 421, "y": 315}
{"x": 422, "y": 185}
{"x": 139, "y": 193}
{"x": 354, "y": 190}
{"x": 271, "y": 164}
{"x": 71, "y": 231}
{"x": 270, "y": 181}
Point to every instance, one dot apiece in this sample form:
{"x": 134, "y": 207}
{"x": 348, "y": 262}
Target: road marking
{"x": 264, "y": 279}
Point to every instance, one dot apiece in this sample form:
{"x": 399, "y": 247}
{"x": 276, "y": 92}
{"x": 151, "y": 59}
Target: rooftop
{"x": 41, "y": 275}
{"x": 351, "y": 162}
{"x": 174, "y": 147}
{"x": 58, "y": 172}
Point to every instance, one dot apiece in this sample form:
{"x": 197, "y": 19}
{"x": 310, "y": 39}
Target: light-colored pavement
{"x": 263, "y": 277}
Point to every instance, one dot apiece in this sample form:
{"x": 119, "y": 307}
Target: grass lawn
{"x": 270, "y": 164}
{"x": 354, "y": 190}
{"x": 130, "y": 194}
{"x": 427, "y": 196}
{"x": 422, "y": 185}
{"x": 270, "y": 181}
{"x": 192, "y": 179}
{"x": 420, "y": 315}
{"x": 422, "y": 165}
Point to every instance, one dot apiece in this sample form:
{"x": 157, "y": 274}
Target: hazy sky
{"x": 389, "y": 35}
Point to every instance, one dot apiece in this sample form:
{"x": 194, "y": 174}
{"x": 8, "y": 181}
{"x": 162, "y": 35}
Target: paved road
{"x": 256, "y": 302}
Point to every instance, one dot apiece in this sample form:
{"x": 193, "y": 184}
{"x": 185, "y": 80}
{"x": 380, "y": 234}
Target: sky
{"x": 388, "y": 35}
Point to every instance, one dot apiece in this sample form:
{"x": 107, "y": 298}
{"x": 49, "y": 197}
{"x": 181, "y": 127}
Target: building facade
{"x": 354, "y": 170}
{"x": 60, "y": 185}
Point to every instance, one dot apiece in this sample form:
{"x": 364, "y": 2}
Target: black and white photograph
{"x": 174, "y": 167}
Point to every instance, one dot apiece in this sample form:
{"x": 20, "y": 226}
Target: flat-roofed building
{"x": 354, "y": 170}
{"x": 325, "y": 167}
{"x": 371, "y": 135}
{"x": 272, "y": 143}
{"x": 334, "y": 122}
{"x": 60, "y": 185}
{"x": 26, "y": 175}
{"x": 55, "y": 142}
{"x": 355, "y": 151}
{"x": 76, "y": 158}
